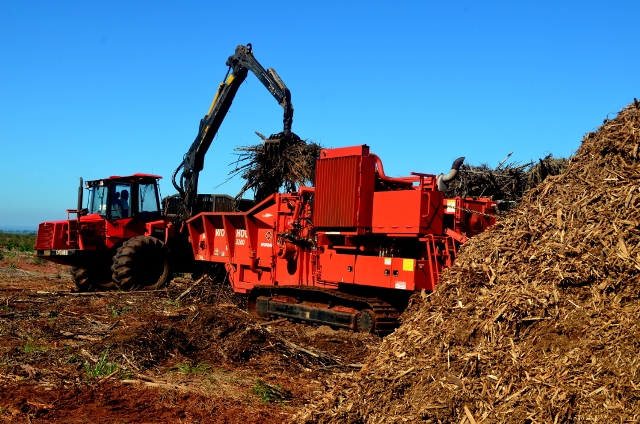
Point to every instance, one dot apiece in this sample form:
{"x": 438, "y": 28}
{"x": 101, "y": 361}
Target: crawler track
{"x": 323, "y": 306}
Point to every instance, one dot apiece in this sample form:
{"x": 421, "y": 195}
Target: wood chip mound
{"x": 537, "y": 322}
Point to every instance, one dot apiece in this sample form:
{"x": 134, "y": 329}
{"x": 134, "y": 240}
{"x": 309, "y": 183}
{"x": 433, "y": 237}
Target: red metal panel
{"x": 403, "y": 274}
{"x": 407, "y": 212}
{"x": 425, "y": 275}
{"x": 394, "y": 273}
{"x": 335, "y": 267}
{"x": 344, "y": 191}
{"x": 61, "y": 235}
{"x": 196, "y": 230}
{"x": 44, "y": 240}
{"x": 218, "y": 243}
{"x": 361, "y": 150}
{"x": 373, "y": 271}
{"x": 335, "y": 192}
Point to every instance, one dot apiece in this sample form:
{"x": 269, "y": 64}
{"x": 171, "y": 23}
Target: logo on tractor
{"x": 268, "y": 235}
{"x": 240, "y": 235}
{"x": 219, "y": 232}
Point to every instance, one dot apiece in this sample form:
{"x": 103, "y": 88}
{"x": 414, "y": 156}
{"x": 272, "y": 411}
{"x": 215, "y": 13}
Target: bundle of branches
{"x": 267, "y": 169}
{"x": 506, "y": 184}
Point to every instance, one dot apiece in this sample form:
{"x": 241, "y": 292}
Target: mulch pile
{"x": 537, "y": 322}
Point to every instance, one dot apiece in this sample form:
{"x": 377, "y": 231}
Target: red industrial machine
{"x": 348, "y": 252}
{"x": 110, "y": 245}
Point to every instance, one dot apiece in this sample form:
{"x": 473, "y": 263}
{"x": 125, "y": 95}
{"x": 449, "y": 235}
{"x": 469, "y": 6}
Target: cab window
{"x": 148, "y": 201}
{"x": 98, "y": 200}
{"x": 120, "y": 202}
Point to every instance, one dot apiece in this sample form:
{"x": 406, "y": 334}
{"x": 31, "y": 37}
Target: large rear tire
{"x": 92, "y": 278}
{"x": 141, "y": 263}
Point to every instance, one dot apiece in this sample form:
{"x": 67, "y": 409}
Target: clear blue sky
{"x": 91, "y": 89}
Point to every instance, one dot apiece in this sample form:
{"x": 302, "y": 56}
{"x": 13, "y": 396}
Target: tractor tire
{"x": 92, "y": 278}
{"x": 107, "y": 284}
{"x": 83, "y": 279}
{"x": 141, "y": 263}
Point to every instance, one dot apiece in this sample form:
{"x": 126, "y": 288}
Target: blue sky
{"x": 92, "y": 89}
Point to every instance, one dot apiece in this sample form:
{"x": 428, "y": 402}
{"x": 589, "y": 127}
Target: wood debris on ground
{"x": 537, "y": 321}
{"x": 186, "y": 353}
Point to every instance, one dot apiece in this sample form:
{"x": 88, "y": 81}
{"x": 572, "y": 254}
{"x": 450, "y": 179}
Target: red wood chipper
{"x": 348, "y": 252}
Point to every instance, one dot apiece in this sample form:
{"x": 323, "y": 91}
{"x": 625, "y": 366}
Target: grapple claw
{"x": 272, "y": 147}
{"x": 276, "y": 144}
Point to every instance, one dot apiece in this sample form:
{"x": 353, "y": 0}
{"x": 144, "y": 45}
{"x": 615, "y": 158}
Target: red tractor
{"x": 118, "y": 240}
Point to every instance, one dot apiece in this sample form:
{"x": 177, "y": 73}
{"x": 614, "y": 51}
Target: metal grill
{"x": 45, "y": 237}
{"x": 336, "y": 192}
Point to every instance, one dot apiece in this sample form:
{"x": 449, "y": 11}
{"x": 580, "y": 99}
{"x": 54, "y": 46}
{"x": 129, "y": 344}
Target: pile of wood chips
{"x": 537, "y": 321}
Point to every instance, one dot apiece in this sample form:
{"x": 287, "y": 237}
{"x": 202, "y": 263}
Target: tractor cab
{"x": 114, "y": 198}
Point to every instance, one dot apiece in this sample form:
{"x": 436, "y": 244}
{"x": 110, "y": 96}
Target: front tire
{"x": 83, "y": 279}
{"x": 141, "y": 263}
{"x": 92, "y": 278}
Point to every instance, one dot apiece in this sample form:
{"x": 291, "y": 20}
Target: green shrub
{"x": 102, "y": 368}
{"x": 188, "y": 368}
{"x": 268, "y": 392}
{"x": 30, "y": 347}
{"x": 19, "y": 241}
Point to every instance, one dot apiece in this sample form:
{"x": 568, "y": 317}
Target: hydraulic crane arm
{"x": 239, "y": 65}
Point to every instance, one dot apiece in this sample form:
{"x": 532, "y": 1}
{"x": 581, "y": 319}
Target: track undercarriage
{"x": 325, "y": 306}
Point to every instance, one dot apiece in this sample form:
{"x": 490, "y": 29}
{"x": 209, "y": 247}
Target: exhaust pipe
{"x": 80, "y": 196}
{"x": 442, "y": 179}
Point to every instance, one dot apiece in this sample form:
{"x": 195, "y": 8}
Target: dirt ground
{"x": 175, "y": 355}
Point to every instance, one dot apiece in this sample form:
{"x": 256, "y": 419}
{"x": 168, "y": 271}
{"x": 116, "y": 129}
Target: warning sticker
{"x": 401, "y": 285}
{"x": 451, "y": 206}
{"x": 407, "y": 264}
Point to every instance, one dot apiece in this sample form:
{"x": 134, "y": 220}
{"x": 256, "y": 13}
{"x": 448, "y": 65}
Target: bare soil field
{"x": 174, "y": 355}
